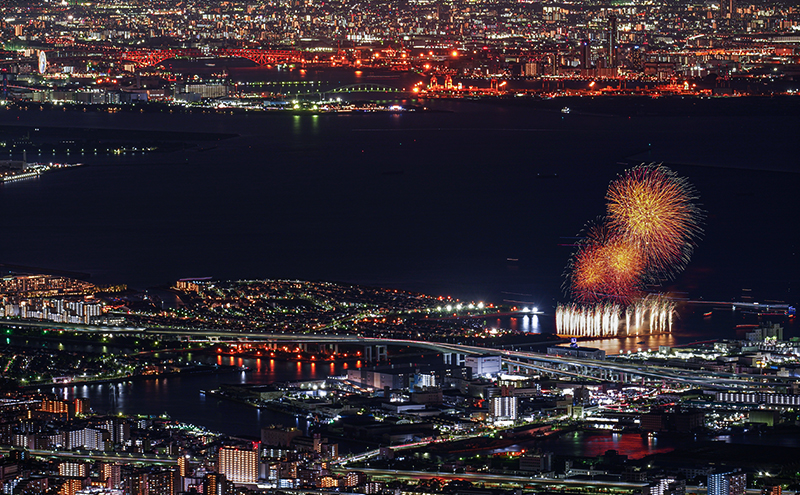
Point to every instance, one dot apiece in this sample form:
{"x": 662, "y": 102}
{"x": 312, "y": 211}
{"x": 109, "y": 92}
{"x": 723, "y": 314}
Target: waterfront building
{"x": 402, "y": 378}
{"x": 677, "y": 422}
{"x": 578, "y": 352}
{"x": 238, "y": 465}
{"x": 503, "y": 408}
{"x": 727, "y": 483}
{"x": 538, "y": 462}
{"x": 774, "y": 332}
{"x": 81, "y": 405}
{"x": 484, "y": 365}
{"x": 55, "y": 406}
{"x": 278, "y": 436}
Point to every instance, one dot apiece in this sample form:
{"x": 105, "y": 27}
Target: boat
{"x": 244, "y": 368}
{"x": 565, "y": 110}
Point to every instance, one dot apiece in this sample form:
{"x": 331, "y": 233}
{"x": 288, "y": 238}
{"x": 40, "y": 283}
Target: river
{"x": 180, "y": 396}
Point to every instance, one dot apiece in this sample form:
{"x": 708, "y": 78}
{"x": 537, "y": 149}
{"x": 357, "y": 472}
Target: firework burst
{"x": 649, "y": 233}
{"x": 605, "y": 266}
{"x": 653, "y": 208}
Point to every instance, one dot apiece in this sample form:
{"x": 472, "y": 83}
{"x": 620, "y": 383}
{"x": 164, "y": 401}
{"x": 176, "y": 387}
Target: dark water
{"x": 180, "y": 396}
{"x": 636, "y": 446}
{"x": 439, "y": 202}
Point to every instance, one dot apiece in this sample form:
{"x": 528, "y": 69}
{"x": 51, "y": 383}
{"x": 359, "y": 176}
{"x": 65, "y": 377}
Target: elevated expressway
{"x": 607, "y": 370}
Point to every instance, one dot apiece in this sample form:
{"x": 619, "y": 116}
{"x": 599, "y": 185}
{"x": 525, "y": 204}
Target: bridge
{"x": 364, "y": 88}
{"x": 548, "y": 485}
{"x": 96, "y": 455}
{"x": 517, "y": 360}
{"x": 149, "y": 58}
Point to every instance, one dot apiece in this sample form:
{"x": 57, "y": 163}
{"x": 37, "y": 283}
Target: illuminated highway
{"x": 502, "y": 479}
{"x": 603, "y": 370}
{"x": 91, "y": 456}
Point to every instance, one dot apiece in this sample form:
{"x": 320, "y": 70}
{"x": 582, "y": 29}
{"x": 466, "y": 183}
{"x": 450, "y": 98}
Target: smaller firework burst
{"x": 605, "y": 266}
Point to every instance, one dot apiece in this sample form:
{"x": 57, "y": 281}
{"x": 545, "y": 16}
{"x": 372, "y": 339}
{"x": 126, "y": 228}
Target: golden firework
{"x": 653, "y": 208}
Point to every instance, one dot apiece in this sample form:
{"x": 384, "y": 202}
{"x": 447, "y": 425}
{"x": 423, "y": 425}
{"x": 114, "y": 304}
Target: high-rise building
{"x": 355, "y": 478}
{"x": 183, "y": 466}
{"x": 728, "y": 483}
{"x": 87, "y": 438}
{"x": 503, "y": 408}
{"x": 72, "y": 486}
{"x": 163, "y": 482}
{"x": 75, "y": 469}
{"x": 119, "y": 430}
{"x": 585, "y": 54}
{"x": 612, "y": 41}
{"x": 214, "y": 484}
{"x": 111, "y": 474}
{"x": 238, "y": 465}
{"x": 728, "y": 8}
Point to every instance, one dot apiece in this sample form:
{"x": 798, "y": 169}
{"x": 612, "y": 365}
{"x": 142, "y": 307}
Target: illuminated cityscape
{"x": 116, "y": 53}
{"x": 309, "y": 247}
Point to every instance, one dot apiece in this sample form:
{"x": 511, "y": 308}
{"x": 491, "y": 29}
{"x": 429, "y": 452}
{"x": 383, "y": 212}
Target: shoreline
{"x": 207, "y": 370}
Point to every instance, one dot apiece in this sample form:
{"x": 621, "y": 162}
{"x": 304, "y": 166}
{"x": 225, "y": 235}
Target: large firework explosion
{"x": 649, "y": 233}
{"x": 652, "y": 207}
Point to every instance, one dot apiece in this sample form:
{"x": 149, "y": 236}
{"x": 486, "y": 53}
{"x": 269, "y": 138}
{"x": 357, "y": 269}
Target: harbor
{"x": 16, "y": 170}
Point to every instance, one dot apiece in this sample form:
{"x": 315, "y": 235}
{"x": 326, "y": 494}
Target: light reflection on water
{"x": 181, "y": 397}
{"x": 587, "y": 444}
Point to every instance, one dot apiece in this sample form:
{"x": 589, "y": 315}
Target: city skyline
{"x": 299, "y": 246}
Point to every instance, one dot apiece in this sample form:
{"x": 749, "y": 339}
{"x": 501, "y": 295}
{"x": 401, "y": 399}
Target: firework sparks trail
{"x": 647, "y": 316}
